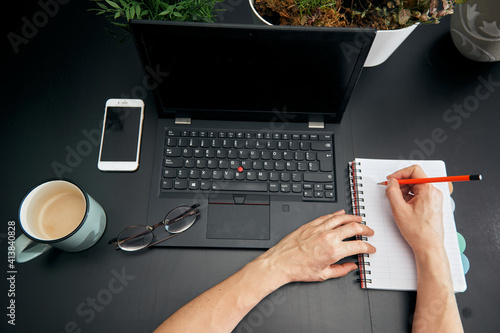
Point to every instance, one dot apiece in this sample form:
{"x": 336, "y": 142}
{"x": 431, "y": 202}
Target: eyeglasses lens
{"x": 181, "y": 224}
{"x": 134, "y": 238}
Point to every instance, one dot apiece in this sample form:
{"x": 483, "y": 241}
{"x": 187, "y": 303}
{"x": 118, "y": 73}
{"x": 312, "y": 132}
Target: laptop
{"x": 249, "y": 125}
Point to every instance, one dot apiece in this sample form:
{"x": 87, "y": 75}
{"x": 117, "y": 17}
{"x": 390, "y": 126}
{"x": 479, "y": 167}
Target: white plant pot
{"x": 384, "y": 44}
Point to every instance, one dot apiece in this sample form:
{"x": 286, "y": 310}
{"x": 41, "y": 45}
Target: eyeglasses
{"x": 137, "y": 237}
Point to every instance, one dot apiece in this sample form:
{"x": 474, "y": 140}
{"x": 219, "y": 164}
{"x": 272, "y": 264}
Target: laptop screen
{"x": 221, "y": 69}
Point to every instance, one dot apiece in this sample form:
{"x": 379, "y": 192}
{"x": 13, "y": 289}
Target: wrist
{"x": 268, "y": 271}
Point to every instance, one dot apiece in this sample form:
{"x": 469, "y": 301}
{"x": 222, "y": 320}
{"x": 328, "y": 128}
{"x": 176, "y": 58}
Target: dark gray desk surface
{"x": 54, "y": 90}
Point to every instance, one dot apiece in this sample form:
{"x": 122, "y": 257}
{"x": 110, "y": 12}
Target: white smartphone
{"x": 121, "y": 135}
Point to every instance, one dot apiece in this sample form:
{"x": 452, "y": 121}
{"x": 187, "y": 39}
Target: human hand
{"x": 417, "y": 209}
{"x": 310, "y": 253}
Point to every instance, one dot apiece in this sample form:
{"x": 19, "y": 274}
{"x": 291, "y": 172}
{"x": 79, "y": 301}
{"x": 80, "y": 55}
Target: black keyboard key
{"x": 239, "y": 186}
{"x": 180, "y": 184}
{"x": 302, "y": 166}
{"x": 183, "y": 142}
{"x": 198, "y": 153}
{"x": 251, "y": 175}
{"x": 310, "y": 156}
{"x": 262, "y": 176}
{"x": 170, "y": 173}
{"x": 318, "y": 194}
{"x": 173, "y": 162}
{"x": 313, "y": 166}
{"x": 205, "y": 185}
{"x": 229, "y": 175}
{"x": 194, "y": 185}
{"x": 217, "y": 174}
{"x": 274, "y": 187}
{"x": 173, "y": 152}
{"x": 167, "y": 184}
{"x": 173, "y": 133}
{"x": 221, "y": 153}
{"x": 279, "y": 166}
{"x": 234, "y": 164}
{"x": 257, "y": 165}
{"x": 243, "y": 154}
{"x": 318, "y": 177}
{"x": 325, "y": 161}
{"x": 321, "y": 145}
{"x": 194, "y": 143}
{"x": 183, "y": 174}
{"x": 274, "y": 176}
{"x": 201, "y": 164}
{"x": 296, "y": 177}
{"x": 329, "y": 194}
{"x": 325, "y": 137}
{"x": 285, "y": 187}
{"x": 296, "y": 188}
{"x": 187, "y": 152}
{"x": 291, "y": 166}
{"x": 308, "y": 194}
{"x": 249, "y": 144}
{"x": 285, "y": 176}
{"x": 194, "y": 174}
{"x": 238, "y": 144}
{"x": 189, "y": 163}
{"x": 299, "y": 156}
{"x": 216, "y": 143}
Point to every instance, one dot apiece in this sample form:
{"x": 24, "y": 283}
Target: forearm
{"x": 222, "y": 307}
{"x": 436, "y": 308}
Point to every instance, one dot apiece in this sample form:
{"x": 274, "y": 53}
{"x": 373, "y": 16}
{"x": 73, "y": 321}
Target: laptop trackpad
{"x": 238, "y": 217}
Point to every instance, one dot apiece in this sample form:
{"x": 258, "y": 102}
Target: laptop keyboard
{"x": 294, "y": 164}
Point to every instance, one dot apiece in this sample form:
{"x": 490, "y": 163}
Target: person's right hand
{"x": 417, "y": 209}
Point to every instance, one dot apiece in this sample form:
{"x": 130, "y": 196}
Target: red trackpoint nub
{"x": 240, "y": 169}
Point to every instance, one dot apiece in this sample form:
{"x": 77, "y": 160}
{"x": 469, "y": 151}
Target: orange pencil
{"x": 436, "y": 179}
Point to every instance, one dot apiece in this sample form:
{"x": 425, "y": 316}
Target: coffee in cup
{"x": 58, "y": 213}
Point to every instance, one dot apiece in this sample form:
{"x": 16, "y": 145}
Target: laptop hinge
{"x": 183, "y": 119}
{"x": 316, "y": 121}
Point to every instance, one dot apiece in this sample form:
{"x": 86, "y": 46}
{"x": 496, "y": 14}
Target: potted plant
{"x": 393, "y": 19}
{"x": 119, "y": 12}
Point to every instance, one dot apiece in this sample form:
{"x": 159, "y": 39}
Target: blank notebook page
{"x": 393, "y": 265}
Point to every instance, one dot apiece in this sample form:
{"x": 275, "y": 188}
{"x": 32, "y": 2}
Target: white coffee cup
{"x": 61, "y": 214}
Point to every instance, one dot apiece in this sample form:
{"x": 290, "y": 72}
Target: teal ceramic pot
{"x": 475, "y": 29}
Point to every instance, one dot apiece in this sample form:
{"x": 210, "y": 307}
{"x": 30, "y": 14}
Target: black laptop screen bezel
{"x": 355, "y": 45}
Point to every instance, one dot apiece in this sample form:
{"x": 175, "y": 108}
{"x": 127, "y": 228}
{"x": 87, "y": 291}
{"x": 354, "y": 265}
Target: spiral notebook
{"x": 392, "y": 267}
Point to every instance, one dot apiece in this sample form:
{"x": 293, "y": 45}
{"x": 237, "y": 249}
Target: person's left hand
{"x": 310, "y": 253}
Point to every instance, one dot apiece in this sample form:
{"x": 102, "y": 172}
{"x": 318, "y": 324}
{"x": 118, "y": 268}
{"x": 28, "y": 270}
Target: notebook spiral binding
{"x": 358, "y": 209}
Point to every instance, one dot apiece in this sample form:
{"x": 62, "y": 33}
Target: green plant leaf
{"x": 103, "y": 6}
{"x": 117, "y": 15}
{"x": 132, "y": 12}
{"x": 113, "y": 4}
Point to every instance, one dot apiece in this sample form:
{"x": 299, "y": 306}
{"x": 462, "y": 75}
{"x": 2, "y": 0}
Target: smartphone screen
{"x": 121, "y": 134}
